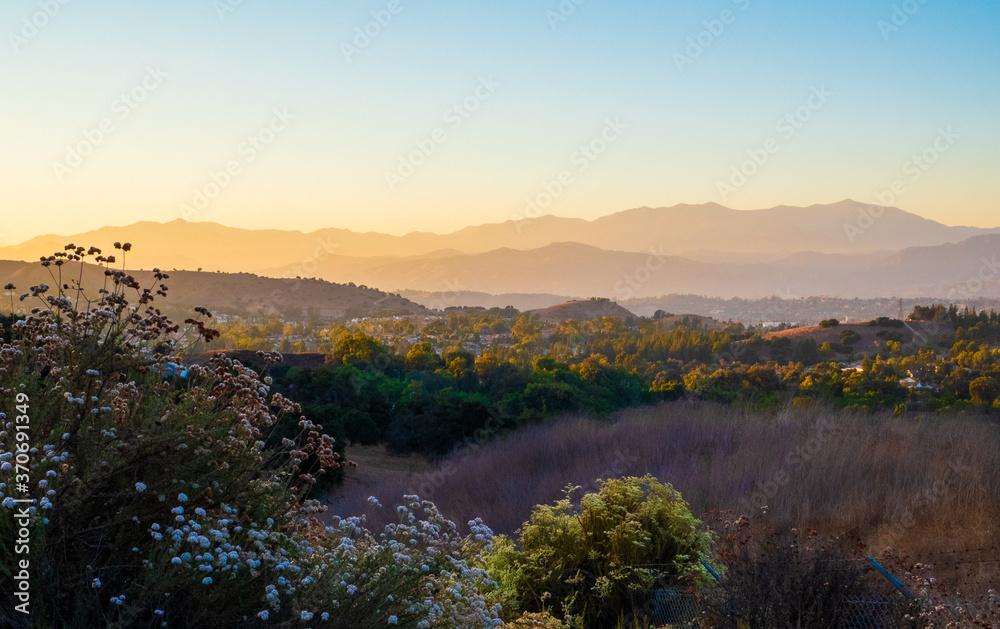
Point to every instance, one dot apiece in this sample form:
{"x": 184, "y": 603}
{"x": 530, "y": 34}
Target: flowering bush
{"x": 159, "y": 496}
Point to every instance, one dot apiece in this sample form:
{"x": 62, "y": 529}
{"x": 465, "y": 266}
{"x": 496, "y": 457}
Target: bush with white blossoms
{"x": 162, "y": 499}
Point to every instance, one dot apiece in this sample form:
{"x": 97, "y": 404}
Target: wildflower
{"x": 393, "y": 620}
{"x": 140, "y": 487}
{"x": 207, "y": 580}
{"x": 306, "y": 615}
{"x": 182, "y": 498}
{"x": 263, "y": 615}
{"x": 96, "y": 583}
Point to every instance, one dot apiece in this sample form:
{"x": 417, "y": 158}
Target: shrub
{"x": 160, "y": 495}
{"x": 776, "y": 579}
{"x": 849, "y": 337}
{"x": 542, "y": 620}
{"x": 829, "y": 323}
{"x": 890, "y": 335}
{"x": 886, "y": 322}
{"x": 591, "y": 561}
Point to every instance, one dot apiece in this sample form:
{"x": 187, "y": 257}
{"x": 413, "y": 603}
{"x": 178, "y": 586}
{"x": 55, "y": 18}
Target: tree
{"x": 355, "y": 348}
{"x": 422, "y": 357}
{"x": 486, "y": 364}
{"x": 526, "y": 329}
{"x": 984, "y": 390}
{"x": 461, "y": 363}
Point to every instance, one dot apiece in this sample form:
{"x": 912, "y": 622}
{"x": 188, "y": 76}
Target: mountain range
{"x": 841, "y": 249}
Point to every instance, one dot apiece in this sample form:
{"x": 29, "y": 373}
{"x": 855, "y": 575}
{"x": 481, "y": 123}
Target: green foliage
{"x": 886, "y": 322}
{"x": 829, "y": 323}
{"x": 596, "y": 557}
{"x": 849, "y": 337}
{"x": 389, "y": 390}
{"x": 422, "y": 357}
{"x": 890, "y": 335}
{"x": 984, "y": 390}
{"x": 355, "y": 348}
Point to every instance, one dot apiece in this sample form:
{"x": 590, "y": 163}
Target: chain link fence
{"x": 676, "y": 607}
{"x": 679, "y": 608}
{"x": 881, "y": 612}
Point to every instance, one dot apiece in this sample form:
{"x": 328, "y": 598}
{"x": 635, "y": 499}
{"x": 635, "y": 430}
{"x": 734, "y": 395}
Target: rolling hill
{"x": 582, "y": 311}
{"x": 221, "y": 292}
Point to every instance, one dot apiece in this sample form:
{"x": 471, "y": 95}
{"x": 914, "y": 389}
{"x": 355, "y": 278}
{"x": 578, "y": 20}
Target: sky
{"x": 431, "y": 115}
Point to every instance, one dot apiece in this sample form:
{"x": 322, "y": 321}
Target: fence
{"x": 676, "y": 607}
{"x": 679, "y": 608}
{"x": 949, "y": 588}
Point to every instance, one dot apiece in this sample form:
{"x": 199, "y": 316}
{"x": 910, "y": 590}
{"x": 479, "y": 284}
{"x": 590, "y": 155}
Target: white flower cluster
{"x": 129, "y": 438}
{"x": 422, "y": 571}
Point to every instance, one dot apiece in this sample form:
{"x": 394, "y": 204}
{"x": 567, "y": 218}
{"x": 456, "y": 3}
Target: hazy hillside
{"x": 462, "y": 298}
{"x": 571, "y": 268}
{"x": 577, "y": 269}
{"x": 582, "y": 311}
{"x": 222, "y": 291}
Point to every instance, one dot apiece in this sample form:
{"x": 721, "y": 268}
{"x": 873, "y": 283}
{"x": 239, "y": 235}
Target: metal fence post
{"x": 896, "y": 582}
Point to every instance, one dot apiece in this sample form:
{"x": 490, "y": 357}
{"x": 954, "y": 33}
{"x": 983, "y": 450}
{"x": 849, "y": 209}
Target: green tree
{"x": 422, "y": 357}
{"x": 355, "y": 348}
{"x": 984, "y": 390}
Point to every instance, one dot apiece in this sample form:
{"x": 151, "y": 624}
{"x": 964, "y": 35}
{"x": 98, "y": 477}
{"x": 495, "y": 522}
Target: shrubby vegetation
{"x": 171, "y": 492}
{"x": 422, "y": 397}
{"x": 162, "y": 496}
{"x": 594, "y": 562}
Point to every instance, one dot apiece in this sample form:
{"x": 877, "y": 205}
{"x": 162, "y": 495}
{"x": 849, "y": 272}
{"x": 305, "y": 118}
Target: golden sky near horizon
{"x": 434, "y": 118}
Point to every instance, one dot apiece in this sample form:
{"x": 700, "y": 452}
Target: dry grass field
{"x": 921, "y": 484}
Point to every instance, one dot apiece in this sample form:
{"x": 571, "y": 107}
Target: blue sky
{"x": 215, "y": 77}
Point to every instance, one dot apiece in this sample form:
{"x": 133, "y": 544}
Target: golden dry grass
{"x": 924, "y": 484}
